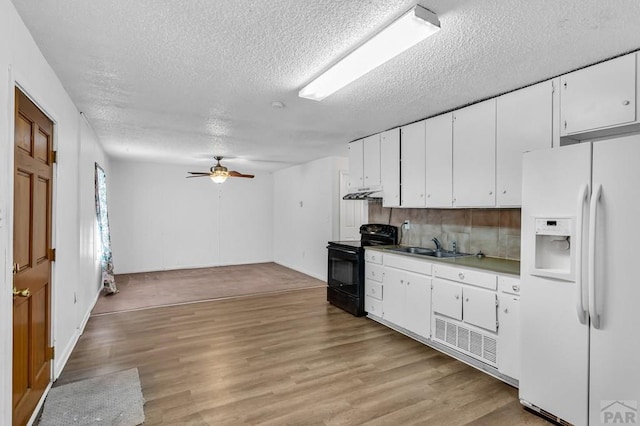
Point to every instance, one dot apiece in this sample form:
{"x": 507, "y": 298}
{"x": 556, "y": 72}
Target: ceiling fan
{"x": 219, "y": 173}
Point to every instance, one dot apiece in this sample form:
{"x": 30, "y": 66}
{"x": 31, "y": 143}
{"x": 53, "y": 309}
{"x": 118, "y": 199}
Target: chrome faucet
{"x": 437, "y": 243}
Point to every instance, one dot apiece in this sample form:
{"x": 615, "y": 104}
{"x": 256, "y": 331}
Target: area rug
{"x": 112, "y": 399}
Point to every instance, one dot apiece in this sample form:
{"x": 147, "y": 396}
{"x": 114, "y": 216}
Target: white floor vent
{"x": 471, "y": 342}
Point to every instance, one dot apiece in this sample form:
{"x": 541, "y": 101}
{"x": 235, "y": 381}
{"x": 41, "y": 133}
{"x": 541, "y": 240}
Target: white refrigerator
{"x": 580, "y": 291}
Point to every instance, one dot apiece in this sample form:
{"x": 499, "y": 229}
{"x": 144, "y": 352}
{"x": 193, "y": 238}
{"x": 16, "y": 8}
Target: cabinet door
{"x": 439, "y": 160}
{"x": 446, "y": 299}
{"x": 356, "y": 170}
{"x": 524, "y": 123}
{"x": 474, "y": 155}
{"x": 371, "y": 161}
{"x": 418, "y": 304}
{"x": 393, "y": 301}
{"x": 390, "y": 167}
{"x": 601, "y": 95}
{"x": 480, "y": 308}
{"x": 412, "y": 152}
{"x": 509, "y": 336}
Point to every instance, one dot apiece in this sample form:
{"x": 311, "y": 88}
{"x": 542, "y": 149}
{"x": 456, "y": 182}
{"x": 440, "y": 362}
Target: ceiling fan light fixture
{"x": 219, "y": 176}
{"x": 406, "y": 31}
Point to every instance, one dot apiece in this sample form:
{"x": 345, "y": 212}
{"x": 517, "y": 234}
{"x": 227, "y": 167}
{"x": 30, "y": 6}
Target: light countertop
{"x": 493, "y": 264}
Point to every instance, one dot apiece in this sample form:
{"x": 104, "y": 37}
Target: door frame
{"x": 21, "y": 81}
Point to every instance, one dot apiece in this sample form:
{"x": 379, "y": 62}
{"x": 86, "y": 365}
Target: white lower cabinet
{"x": 474, "y": 306}
{"x": 509, "y": 319}
{"x": 447, "y": 299}
{"x": 472, "y": 312}
{"x": 479, "y": 307}
{"x": 407, "y": 300}
{"x": 464, "y": 312}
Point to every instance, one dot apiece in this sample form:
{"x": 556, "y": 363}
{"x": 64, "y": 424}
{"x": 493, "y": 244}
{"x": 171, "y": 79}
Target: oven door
{"x": 346, "y": 269}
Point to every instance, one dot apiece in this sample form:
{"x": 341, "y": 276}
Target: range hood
{"x": 364, "y": 194}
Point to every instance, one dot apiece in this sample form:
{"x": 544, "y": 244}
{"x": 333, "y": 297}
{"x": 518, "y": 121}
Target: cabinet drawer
{"x": 373, "y": 272}
{"x": 467, "y": 276}
{"x": 446, "y": 299}
{"x": 408, "y": 264}
{"x": 480, "y": 308}
{"x": 373, "y": 306}
{"x": 509, "y": 285}
{"x": 373, "y": 289}
{"x": 373, "y": 256}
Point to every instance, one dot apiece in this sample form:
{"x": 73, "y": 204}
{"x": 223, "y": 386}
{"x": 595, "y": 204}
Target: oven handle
{"x": 341, "y": 250}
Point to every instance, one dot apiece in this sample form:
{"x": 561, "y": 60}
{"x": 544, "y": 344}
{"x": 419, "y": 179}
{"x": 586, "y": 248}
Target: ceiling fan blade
{"x": 200, "y": 173}
{"x": 207, "y": 175}
{"x": 233, "y": 173}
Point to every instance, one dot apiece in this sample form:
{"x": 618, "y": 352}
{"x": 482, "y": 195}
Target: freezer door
{"x": 555, "y": 344}
{"x": 615, "y": 345}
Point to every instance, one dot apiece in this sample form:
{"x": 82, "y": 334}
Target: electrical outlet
{"x": 406, "y": 225}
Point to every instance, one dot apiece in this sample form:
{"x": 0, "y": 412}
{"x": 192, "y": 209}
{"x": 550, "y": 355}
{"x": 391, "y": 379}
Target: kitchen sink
{"x": 428, "y": 252}
{"x": 414, "y": 250}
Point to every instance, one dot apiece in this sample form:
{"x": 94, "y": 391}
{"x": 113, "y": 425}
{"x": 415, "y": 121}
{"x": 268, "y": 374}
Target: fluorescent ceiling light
{"x": 406, "y": 31}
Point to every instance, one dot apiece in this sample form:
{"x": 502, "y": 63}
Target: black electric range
{"x": 345, "y": 277}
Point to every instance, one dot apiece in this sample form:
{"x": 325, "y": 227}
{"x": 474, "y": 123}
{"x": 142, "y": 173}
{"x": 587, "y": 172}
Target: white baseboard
{"x": 198, "y": 266}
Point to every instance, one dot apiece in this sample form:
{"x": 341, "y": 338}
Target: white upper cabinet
{"x": 600, "y": 96}
{"x": 413, "y": 165}
{"x": 356, "y": 165}
{"x": 371, "y": 163}
{"x": 474, "y": 155}
{"x": 364, "y": 163}
{"x": 524, "y": 123}
{"x": 439, "y": 160}
{"x": 390, "y": 167}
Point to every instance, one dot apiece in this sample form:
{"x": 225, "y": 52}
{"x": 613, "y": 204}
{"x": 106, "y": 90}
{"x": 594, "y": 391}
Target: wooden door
{"x": 32, "y": 257}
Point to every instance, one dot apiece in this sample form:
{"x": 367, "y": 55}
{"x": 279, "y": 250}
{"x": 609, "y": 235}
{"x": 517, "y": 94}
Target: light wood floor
{"x": 287, "y": 358}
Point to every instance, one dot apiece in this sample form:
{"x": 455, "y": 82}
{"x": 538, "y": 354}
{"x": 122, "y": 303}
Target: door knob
{"x": 22, "y": 293}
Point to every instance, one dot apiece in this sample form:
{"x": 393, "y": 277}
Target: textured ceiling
{"x": 179, "y": 81}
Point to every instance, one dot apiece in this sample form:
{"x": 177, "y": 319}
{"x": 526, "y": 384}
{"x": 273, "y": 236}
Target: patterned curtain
{"x": 108, "y": 279}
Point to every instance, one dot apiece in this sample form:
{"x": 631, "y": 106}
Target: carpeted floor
{"x": 152, "y": 289}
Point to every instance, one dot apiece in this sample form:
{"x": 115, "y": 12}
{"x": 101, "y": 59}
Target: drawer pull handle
{"x": 625, "y": 102}
{"x": 461, "y": 276}
{"x": 466, "y": 300}
{"x": 515, "y": 288}
{"x": 457, "y": 296}
{"x": 506, "y": 310}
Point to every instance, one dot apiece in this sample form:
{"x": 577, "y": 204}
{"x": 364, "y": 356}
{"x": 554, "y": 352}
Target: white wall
{"x": 306, "y": 214}
{"x": 161, "y": 220}
{"x": 22, "y": 63}
{"x": 90, "y": 271}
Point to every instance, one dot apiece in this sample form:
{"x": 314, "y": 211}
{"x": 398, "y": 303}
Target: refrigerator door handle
{"x": 581, "y": 305}
{"x": 593, "y": 211}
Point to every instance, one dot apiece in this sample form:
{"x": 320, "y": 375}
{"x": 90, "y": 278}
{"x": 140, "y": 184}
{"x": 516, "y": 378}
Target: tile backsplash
{"x": 495, "y": 232}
